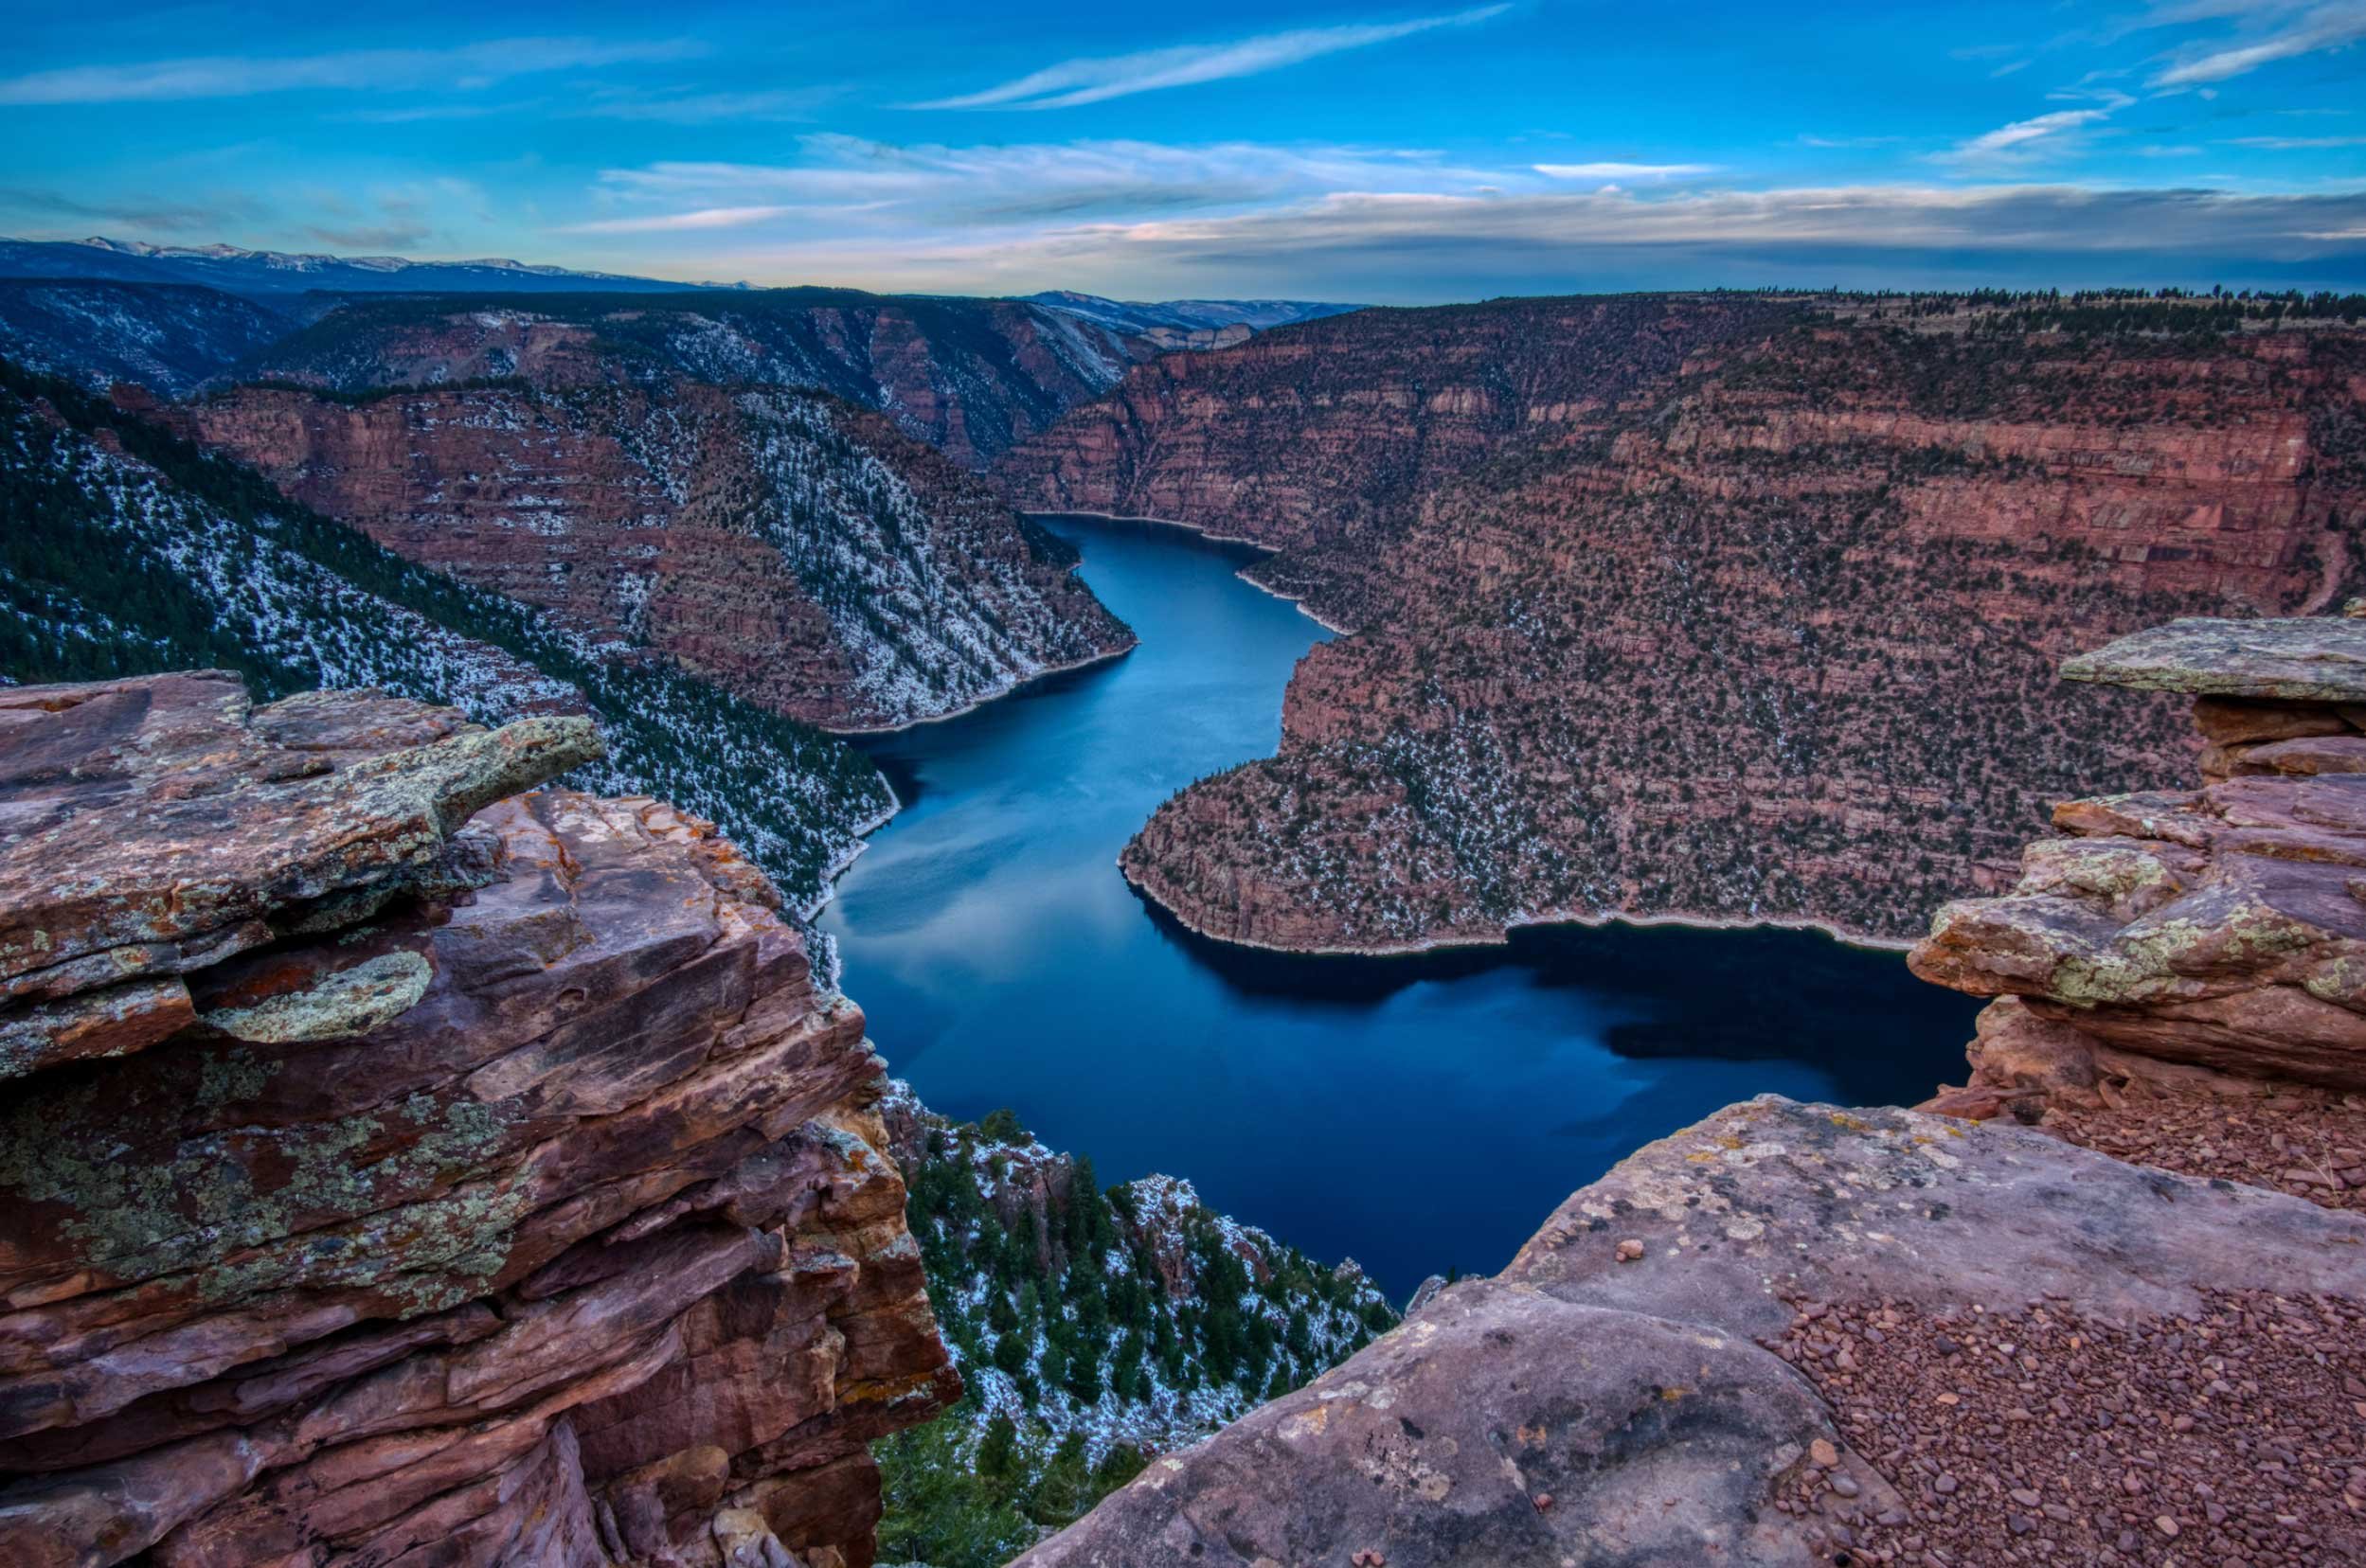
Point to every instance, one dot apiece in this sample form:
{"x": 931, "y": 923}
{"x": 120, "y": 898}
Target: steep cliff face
{"x": 397, "y": 1171}
{"x": 1795, "y": 1334}
{"x": 1721, "y": 651}
{"x": 791, "y": 550}
{"x": 128, "y": 551}
{"x": 1329, "y": 429}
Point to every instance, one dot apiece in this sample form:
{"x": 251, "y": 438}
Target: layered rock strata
{"x": 2178, "y": 974}
{"x": 1763, "y": 629}
{"x": 787, "y": 547}
{"x": 398, "y": 1168}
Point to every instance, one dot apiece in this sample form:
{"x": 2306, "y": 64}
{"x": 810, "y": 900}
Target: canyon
{"x": 1700, "y": 607}
{"x": 2059, "y": 1314}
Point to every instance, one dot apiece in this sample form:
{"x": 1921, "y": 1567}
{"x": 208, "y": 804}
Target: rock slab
{"x": 401, "y": 1169}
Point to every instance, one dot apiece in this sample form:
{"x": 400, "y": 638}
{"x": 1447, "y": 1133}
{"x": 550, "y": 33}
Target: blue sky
{"x": 1406, "y": 155}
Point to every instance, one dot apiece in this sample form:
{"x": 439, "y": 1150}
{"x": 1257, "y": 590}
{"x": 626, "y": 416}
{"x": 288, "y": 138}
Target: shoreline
{"x": 1296, "y": 601}
{"x": 1592, "y": 920}
{"x": 1131, "y": 641}
{"x": 862, "y": 832}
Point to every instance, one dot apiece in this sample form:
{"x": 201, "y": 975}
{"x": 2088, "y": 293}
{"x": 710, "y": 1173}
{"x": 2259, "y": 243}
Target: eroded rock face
{"x": 400, "y": 1169}
{"x": 1616, "y": 1395}
{"x": 1764, "y": 628}
{"x": 789, "y": 549}
{"x": 2222, "y": 928}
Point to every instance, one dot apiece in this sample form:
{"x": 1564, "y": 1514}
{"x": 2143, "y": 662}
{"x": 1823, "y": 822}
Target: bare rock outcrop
{"x": 2181, "y": 975}
{"x": 400, "y": 1169}
{"x": 1637, "y": 1386}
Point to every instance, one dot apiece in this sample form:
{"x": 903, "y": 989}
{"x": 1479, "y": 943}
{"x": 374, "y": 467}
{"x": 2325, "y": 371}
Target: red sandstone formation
{"x": 1781, "y": 595}
{"x": 395, "y": 1173}
{"x": 788, "y": 548}
{"x": 2178, "y": 976}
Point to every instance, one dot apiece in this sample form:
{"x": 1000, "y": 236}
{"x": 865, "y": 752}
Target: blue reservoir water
{"x": 1415, "y": 1113}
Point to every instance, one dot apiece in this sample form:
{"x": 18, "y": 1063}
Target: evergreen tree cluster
{"x": 1095, "y": 1327}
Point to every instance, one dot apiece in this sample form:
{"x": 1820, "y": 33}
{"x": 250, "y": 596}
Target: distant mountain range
{"x": 265, "y": 274}
{"x": 268, "y": 274}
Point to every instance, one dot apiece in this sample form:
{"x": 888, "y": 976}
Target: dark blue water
{"x": 1415, "y": 1113}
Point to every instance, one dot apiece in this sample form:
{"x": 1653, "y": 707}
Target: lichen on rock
{"x": 490, "y": 1155}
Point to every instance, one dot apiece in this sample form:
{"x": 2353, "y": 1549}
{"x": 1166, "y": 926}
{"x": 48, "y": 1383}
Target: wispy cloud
{"x": 2279, "y": 30}
{"x": 674, "y": 222}
{"x": 687, "y": 108}
{"x": 2296, "y": 144}
{"x": 1075, "y": 82}
{"x": 876, "y": 185}
{"x": 1622, "y": 170}
{"x": 156, "y": 214}
{"x": 471, "y": 65}
{"x": 2023, "y": 139}
{"x": 1409, "y": 246}
{"x": 384, "y": 237}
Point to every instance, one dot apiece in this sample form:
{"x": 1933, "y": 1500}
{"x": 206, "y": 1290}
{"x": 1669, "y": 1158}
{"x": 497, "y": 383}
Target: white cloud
{"x": 666, "y": 223}
{"x": 881, "y": 184}
{"x": 2296, "y": 144}
{"x": 2024, "y": 138}
{"x": 2288, "y": 32}
{"x": 1409, "y": 246}
{"x": 1622, "y": 170}
{"x": 1074, "y": 82}
{"x": 356, "y": 70}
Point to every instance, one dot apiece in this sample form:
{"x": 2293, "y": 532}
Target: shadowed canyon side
{"x": 399, "y": 1168}
{"x": 1795, "y": 1334}
{"x": 789, "y": 549}
{"x": 1711, "y": 640}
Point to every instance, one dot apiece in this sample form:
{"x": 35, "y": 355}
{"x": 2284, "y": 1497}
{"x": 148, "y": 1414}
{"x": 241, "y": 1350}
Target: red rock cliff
{"x": 1764, "y": 634}
{"x": 791, "y": 550}
{"x": 398, "y": 1168}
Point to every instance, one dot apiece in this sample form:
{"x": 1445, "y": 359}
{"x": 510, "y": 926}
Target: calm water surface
{"x": 1415, "y": 1113}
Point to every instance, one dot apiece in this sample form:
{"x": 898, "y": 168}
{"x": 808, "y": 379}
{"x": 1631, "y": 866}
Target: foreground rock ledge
{"x": 1610, "y": 1397}
{"x": 392, "y": 1172}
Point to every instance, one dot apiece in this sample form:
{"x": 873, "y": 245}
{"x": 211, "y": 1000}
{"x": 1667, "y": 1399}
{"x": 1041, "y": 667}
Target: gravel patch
{"x": 2234, "y": 1437}
{"x": 2310, "y": 1143}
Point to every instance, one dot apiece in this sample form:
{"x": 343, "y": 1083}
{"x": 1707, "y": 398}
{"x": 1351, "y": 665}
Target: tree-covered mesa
{"x": 1095, "y": 1328}
{"x": 126, "y": 550}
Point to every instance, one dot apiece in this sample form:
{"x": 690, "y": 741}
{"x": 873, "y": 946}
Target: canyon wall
{"x": 1762, "y": 632}
{"x": 130, "y": 551}
{"x": 788, "y": 548}
{"x": 402, "y": 1169}
{"x": 1798, "y": 1334}
{"x": 969, "y": 377}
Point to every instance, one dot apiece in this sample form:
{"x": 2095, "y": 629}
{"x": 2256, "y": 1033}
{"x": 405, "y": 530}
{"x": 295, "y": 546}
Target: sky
{"x": 1285, "y": 149}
